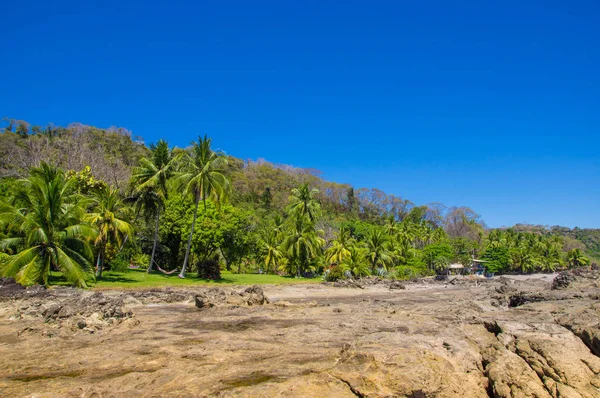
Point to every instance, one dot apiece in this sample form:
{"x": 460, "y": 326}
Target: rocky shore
{"x": 502, "y": 337}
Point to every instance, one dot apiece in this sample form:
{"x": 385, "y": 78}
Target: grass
{"x": 136, "y": 279}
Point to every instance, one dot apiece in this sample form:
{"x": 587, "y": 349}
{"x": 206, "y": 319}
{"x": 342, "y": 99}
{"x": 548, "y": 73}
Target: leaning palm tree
{"x": 109, "y": 218}
{"x": 377, "y": 249}
{"x": 203, "y": 179}
{"x": 151, "y": 178}
{"x": 303, "y": 203}
{"x": 45, "y": 218}
{"x": 340, "y": 247}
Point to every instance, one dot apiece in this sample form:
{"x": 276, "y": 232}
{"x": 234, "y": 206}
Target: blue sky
{"x": 493, "y": 105}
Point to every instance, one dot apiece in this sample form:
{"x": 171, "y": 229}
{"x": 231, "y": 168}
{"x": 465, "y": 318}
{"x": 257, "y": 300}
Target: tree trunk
{"x": 189, "y": 244}
{"x": 100, "y": 262}
{"x": 227, "y": 263}
{"x": 155, "y": 241}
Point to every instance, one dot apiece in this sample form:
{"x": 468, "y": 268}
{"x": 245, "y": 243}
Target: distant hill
{"x": 113, "y": 152}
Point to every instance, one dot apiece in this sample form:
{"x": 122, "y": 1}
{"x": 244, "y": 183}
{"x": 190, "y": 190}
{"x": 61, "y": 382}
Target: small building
{"x": 478, "y": 268}
{"x": 455, "y": 268}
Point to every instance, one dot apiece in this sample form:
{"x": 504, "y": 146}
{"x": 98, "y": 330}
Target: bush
{"x": 209, "y": 269}
{"x": 334, "y": 274}
{"x": 119, "y": 264}
{"x": 404, "y": 272}
{"x": 141, "y": 260}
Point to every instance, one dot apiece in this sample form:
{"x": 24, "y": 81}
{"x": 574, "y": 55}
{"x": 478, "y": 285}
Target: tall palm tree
{"x": 203, "y": 179}
{"x": 377, "y": 249}
{"x": 151, "y": 178}
{"x": 302, "y": 244}
{"x": 303, "y": 203}
{"x": 109, "y": 219}
{"x": 340, "y": 247}
{"x": 46, "y": 217}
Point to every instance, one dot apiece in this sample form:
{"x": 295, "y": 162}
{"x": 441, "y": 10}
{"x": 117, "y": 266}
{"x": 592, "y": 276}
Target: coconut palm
{"x": 303, "y": 203}
{"x": 302, "y": 244}
{"x": 576, "y": 258}
{"x": 340, "y": 247}
{"x": 46, "y": 219}
{"x": 203, "y": 180}
{"x": 151, "y": 178}
{"x": 377, "y": 249}
{"x": 391, "y": 225}
{"x": 269, "y": 246}
{"x": 109, "y": 218}
{"x": 356, "y": 262}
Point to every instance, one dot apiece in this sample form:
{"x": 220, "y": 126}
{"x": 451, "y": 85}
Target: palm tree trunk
{"x": 100, "y": 262}
{"x": 155, "y": 241}
{"x": 189, "y": 244}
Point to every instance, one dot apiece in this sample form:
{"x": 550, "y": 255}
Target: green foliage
{"x": 46, "y": 230}
{"x": 498, "y": 259}
{"x": 437, "y": 257}
{"x": 85, "y": 182}
{"x": 119, "y": 264}
{"x": 244, "y": 215}
{"x": 334, "y": 274}
{"x": 141, "y": 260}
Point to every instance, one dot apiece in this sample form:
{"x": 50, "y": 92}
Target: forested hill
{"x": 405, "y": 234}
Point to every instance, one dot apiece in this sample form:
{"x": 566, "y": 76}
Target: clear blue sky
{"x": 493, "y": 105}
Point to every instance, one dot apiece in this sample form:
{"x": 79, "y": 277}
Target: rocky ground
{"x": 506, "y": 337}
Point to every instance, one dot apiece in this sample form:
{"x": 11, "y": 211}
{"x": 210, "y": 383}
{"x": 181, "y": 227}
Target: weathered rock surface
{"x": 431, "y": 339}
{"x": 252, "y": 295}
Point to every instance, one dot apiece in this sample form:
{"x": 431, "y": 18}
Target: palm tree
{"x": 151, "y": 178}
{"x": 356, "y": 262}
{"x": 302, "y": 244}
{"x": 377, "y": 249}
{"x": 391, "y": 225}
{"x": 303, "y": 203}
{"x": 340, "y": 247}
{"x": 269, "y": 246}
{"x": 108, "y": 218}
{"x": 575, "y": 258}
{"x": 46, "y": 215}
{"x": 203, "y": 180}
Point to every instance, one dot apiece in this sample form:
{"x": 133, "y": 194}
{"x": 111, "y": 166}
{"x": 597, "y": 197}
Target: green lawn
{"x": 134, "y": 279}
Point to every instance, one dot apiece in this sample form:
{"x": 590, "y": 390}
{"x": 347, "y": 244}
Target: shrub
{"x": 141, "y": 260}
{"x": 209, "y": 269}
{"x": 119, "y": 264}
{"x": 334, "y": 274}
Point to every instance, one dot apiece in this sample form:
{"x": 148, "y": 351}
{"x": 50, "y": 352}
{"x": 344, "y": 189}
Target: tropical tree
{"x": 203, "y": 179}
{"x": 340, "y": 247}
{"x": 576, "y": 258}
{"x": 303, "y": 203}
{"x": 356, "y": 262}
{"x": 378, "y": 254}
{"x": 150, "y": 179}
{"x": 302, "y": 244}
{"x": 45, "y": 218}
{"x": 269, "y": 247}
{"x": 109, "y": 219}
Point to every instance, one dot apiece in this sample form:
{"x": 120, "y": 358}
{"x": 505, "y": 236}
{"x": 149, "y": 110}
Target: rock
{"x": 81, "y": 324}
{"x": 255, "y": 296}
{"x": 583, "y": 277}
{"x": 252, "y": 295}
{"x": 397, "y": 285}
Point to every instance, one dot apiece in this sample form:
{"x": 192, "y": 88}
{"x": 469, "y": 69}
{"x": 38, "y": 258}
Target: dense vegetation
{"x": 80, "y": 199}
